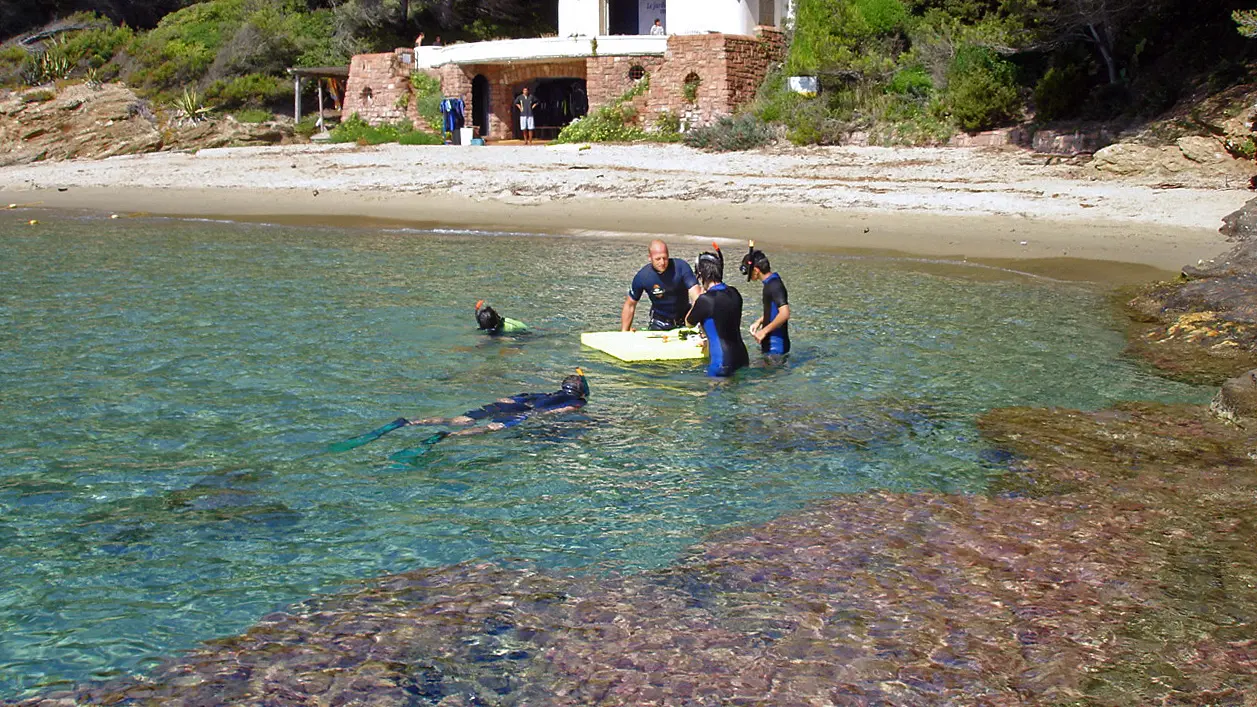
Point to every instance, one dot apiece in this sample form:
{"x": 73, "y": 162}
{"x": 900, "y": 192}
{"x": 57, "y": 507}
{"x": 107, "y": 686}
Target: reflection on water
{"x": 170, "y": 388}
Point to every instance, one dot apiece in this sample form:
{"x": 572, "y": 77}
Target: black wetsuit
{"x": 719, "y": 311}
{"x": 777, "y": 342}
{"x": 523, "y": 405}
{"x": 669, "y": 292}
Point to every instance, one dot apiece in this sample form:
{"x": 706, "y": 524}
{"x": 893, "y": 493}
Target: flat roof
{"x": 323, "y": 72}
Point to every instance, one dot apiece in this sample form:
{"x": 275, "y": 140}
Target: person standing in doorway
{"x": 656, "y": 30}
{"x": 525, "y": 103}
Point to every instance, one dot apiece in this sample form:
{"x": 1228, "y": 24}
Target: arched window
{"x": 689, "y": 88}
{"x": 636, "y": 72}
{"x": 367, "y": 96}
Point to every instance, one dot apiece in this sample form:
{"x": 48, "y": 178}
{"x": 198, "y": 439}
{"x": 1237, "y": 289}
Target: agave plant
{"x": 190, "y": 107}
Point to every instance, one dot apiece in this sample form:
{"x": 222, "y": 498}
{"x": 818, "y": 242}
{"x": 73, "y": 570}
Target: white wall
{"x": 580, "y": 17}
{"x": 699, "y": 16}
{"x": 585, "y": 17}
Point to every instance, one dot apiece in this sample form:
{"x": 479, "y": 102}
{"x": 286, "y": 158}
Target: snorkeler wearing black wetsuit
{"x": 508, "y": 412}
{"x": 493, "y": 324}
{"x": 772, "y": 330}
{"x": 719, "y": 311}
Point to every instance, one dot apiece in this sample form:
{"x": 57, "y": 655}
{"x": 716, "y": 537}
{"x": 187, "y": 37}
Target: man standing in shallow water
{"x": 772, "y": 330}
{"x": 672, "y": 288}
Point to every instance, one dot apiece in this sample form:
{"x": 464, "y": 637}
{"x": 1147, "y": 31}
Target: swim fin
{"x": 355, "y": 442}
{"x": 408, "y": 456}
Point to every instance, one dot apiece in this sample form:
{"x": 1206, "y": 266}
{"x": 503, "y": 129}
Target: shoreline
{"x": 961, "y": 204}
{"x": 1092, "y": 251}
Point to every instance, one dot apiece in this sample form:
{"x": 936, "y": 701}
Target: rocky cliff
{"x": 93, "y": 121}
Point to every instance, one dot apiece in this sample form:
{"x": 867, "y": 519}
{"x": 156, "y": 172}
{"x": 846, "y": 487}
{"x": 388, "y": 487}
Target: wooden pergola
{"x": 316, "y": 73}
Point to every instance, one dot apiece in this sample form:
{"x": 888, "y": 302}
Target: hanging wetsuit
{"x": 777, "y": 342}
{"x": 719, "y": 311}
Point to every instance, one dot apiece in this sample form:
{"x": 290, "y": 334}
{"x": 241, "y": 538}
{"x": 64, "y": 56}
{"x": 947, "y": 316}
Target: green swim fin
{"x": 355, "y": 442}
{"x": 407, "y": 456}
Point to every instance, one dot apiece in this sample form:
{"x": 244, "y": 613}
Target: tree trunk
{"x": 1102, "y": 42}
{"x": 405, "y": 18}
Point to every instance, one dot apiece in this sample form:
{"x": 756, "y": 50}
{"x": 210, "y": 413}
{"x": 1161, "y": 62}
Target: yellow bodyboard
{"x": 647, "y": 345}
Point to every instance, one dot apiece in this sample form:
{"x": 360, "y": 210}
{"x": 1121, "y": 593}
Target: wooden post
{"x": 322, "y": 127}
{"x": 296, "y": 98}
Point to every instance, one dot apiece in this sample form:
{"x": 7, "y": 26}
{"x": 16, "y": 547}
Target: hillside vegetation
{"x": 911, "y": 71}
{"x": 897, "y": 71}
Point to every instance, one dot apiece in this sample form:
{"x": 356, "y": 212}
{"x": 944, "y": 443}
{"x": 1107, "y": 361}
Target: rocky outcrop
{"x": 1191, "y": 161}
{"x": 86, "y": 121}
{"x": 1203, "y": 327}
{"x": 1236, "y": 401}
{"x": 40, "y": 124}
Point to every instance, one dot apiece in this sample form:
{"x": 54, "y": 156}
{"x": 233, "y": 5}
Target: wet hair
{"x": 710, "y": 267}
{"x": 754, "y": 259}
{"x": 576, "y": 385}
{"x": 487, "y": 318}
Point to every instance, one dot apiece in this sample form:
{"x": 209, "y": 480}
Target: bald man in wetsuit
{"x": 719, "y": 312}
{"x": 671, "y": 285}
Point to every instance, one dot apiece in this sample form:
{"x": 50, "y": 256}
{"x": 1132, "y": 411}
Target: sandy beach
{"x": 952, "y": 203}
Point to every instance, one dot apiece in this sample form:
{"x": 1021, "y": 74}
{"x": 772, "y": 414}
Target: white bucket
{"x": 465, "y": 135}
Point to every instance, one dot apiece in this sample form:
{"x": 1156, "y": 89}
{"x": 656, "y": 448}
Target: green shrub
{"x": 689, "y": 89}
{"x": 981, "y": 89}
{"x": 254, "y": 115}
{"x": 1060, "y": 92}
{"x": 1244, "y": 148}
{"x": 355, "y": 129}
{"x": 420, "y": 137}
{"x": 742, "y": 132}
{"x": 307, "y": 126}
{"x": 668, "y": 123}
{"x": 38, "y": 96}
{"x": 603, "y": 125}
{"x": 251, "y": 91}
{"x": 190, "y": 106}
{"x": 912, "y": 81}
{"x": 427, "y": 93}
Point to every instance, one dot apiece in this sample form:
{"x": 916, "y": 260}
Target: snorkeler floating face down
{"x": 576, "y": 385}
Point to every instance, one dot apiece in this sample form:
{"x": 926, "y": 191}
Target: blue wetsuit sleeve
{"x": 686, "y": 273}
{"x": 510, "y": 421}
{"x": 638, "y": 286}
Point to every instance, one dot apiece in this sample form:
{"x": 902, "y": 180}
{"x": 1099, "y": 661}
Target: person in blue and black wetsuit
{"x": 719, "y": 312}
{"x": 772, "y": 330}
{"x": 672, "y": 288}
{"x": 508, "y": 412}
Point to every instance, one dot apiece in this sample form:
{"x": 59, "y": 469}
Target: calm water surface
{"x": 169, "y": 386}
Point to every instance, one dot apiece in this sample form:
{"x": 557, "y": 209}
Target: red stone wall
{"x": 377, "y": 85}
{"x": 730, "y": 69}
{"x": 505, "y": 82}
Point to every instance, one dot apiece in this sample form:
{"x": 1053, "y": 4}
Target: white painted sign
{"x": 648, "y": 11}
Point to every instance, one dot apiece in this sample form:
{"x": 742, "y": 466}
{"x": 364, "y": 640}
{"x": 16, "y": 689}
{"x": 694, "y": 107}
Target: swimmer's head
{"x": 754, "y": 259}
{"x": 710, "y": 267}
{"x": 576, "y": 385}
{"x": 486, "y": 318}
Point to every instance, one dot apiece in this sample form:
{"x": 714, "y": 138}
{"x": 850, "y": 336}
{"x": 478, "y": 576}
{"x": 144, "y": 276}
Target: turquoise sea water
{"x": 169, "y": 387}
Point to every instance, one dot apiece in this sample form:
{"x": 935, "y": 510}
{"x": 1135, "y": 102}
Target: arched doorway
{"x": 480, "y": 107}
{"x": 559, "y": 102}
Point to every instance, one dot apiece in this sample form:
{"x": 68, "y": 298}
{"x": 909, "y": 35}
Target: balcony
{"x": 538, "y": 50}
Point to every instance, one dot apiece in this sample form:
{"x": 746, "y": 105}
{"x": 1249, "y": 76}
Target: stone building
{"x": 710, "y": 59}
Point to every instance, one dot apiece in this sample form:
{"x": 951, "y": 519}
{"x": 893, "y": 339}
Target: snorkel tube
{"x": 748, "y": 262}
